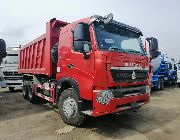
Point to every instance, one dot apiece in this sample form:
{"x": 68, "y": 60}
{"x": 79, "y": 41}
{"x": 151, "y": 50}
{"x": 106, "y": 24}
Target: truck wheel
{"x": 31, "y": 96}
{"x": 158, "y": 87}
{"x": 11, "y": 89}
{"x": 25, "y": 91}
{"x": 179, "y": 85}
{"x": 70, "y": 108}
{"x": 162, "y": 84}
{"x": 169, "y": 82}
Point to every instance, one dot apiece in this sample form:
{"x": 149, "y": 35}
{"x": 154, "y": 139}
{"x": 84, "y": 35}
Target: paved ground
{"x": 159, "y": 120}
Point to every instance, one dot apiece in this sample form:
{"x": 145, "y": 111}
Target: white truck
{"x": 9, "y": 70}
{"x": 178, "y": 74}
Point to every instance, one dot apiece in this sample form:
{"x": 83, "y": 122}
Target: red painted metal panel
{"x": 35, "y": 57}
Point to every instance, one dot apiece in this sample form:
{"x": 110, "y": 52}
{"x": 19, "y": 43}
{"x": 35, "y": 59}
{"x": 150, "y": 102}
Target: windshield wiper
{"x": 117, "y": 49}
{"x": 134, "y": 51}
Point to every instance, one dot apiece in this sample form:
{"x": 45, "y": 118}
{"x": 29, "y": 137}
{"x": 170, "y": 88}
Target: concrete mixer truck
{"x": 161, "y": 66}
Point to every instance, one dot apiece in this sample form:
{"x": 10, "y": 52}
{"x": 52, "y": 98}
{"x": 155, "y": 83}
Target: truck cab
{"x": 9, "y": 70}
{"x": 172, "y": 65}
{"x": 2, "y": 50}
{"x": 94, "y": 66}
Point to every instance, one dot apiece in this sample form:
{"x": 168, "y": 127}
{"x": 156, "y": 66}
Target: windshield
{"x": 113, "y": 38}
{"x": 11, "y": 59}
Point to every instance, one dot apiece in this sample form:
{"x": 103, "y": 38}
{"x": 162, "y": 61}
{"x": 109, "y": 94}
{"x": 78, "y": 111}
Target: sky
{"x": 21, "y": 21}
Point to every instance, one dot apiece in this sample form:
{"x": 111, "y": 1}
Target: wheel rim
{"x": 70, "y": 107}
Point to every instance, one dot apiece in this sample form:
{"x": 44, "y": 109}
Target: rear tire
{"x": 11, "y": 89}
{"x": 25, "y": 91}
{"x": 70, "y": 108}
{"x": 31, "y": 96}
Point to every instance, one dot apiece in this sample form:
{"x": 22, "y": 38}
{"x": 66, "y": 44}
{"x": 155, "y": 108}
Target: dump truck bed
{"x": 35, "y": 57}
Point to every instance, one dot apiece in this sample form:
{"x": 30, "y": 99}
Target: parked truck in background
{"x": 9, "y": 70}
{"x": 158, "y": 67}
{"x": 94, "y": 66}
{"x": 2, "y": 54}
{"x": 2, "y": 50}
{"x": 160, "y": 71}
{"x": 164, "y": 70}
{"x": 172, "y": 65}
{"x": 178, "y": 74}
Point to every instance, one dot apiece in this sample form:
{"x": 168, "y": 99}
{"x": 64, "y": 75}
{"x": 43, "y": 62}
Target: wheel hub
{"x": 70, "y": 107}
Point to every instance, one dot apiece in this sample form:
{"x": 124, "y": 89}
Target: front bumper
{"x": 119, "y": 104}
{"x": 11, "y": 83}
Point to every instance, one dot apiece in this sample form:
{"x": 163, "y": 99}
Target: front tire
{"x": 70, "y": 108}
{"x": 169, "y": 82}
{"x": 179, "y": 85}
{"x": 158, "y": 87}
{"x": 11, "y": 89}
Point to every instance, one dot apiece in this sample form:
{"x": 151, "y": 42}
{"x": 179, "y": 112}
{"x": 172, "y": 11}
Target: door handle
{"x": 70, "y": 66}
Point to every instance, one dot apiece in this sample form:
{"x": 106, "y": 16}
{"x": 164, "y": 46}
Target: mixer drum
{"x": 156, "y": 63}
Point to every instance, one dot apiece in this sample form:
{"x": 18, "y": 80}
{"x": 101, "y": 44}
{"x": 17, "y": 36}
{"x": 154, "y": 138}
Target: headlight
{"x": 104, "y": 96}
{"x": 148, "y": 89}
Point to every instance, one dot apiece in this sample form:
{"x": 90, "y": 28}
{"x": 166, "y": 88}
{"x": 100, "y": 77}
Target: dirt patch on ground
{"x": 158, "y": 120}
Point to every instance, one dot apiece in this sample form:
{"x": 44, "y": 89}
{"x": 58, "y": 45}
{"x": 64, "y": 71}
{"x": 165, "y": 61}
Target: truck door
{"x": 81, "y": 56}
{"x": 80, "y": 62}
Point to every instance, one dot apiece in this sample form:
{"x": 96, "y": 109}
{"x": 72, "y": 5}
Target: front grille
{"x": 120, "y": 92}
{"x": 13, "y": 78}
{"x": 13, "y": 83}
{"x": 11, "y": 73}
{"x": 129, "y": 75}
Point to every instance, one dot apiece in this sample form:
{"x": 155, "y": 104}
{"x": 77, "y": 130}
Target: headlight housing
{"x": 104, "y": 96}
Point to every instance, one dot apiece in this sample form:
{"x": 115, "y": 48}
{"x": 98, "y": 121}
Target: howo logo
{"x": 133, "y": 75}
{"x": 133, "y": 65}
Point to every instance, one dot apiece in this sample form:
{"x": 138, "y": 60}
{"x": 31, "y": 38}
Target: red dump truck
{"x": 94, "y": 66}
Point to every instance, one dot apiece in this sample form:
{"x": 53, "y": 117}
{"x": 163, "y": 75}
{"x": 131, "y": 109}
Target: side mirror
{"x": 153, "y": 47}
{"x": 83, "y": 47}
{"x": 155, "y": 54}
{"x": 153, "y": 44}
{"x": 2, "y": 49}
{"x": 81, "y": 39}
{"x": 81, "y": 32}
{"x": 78, "y": 45}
